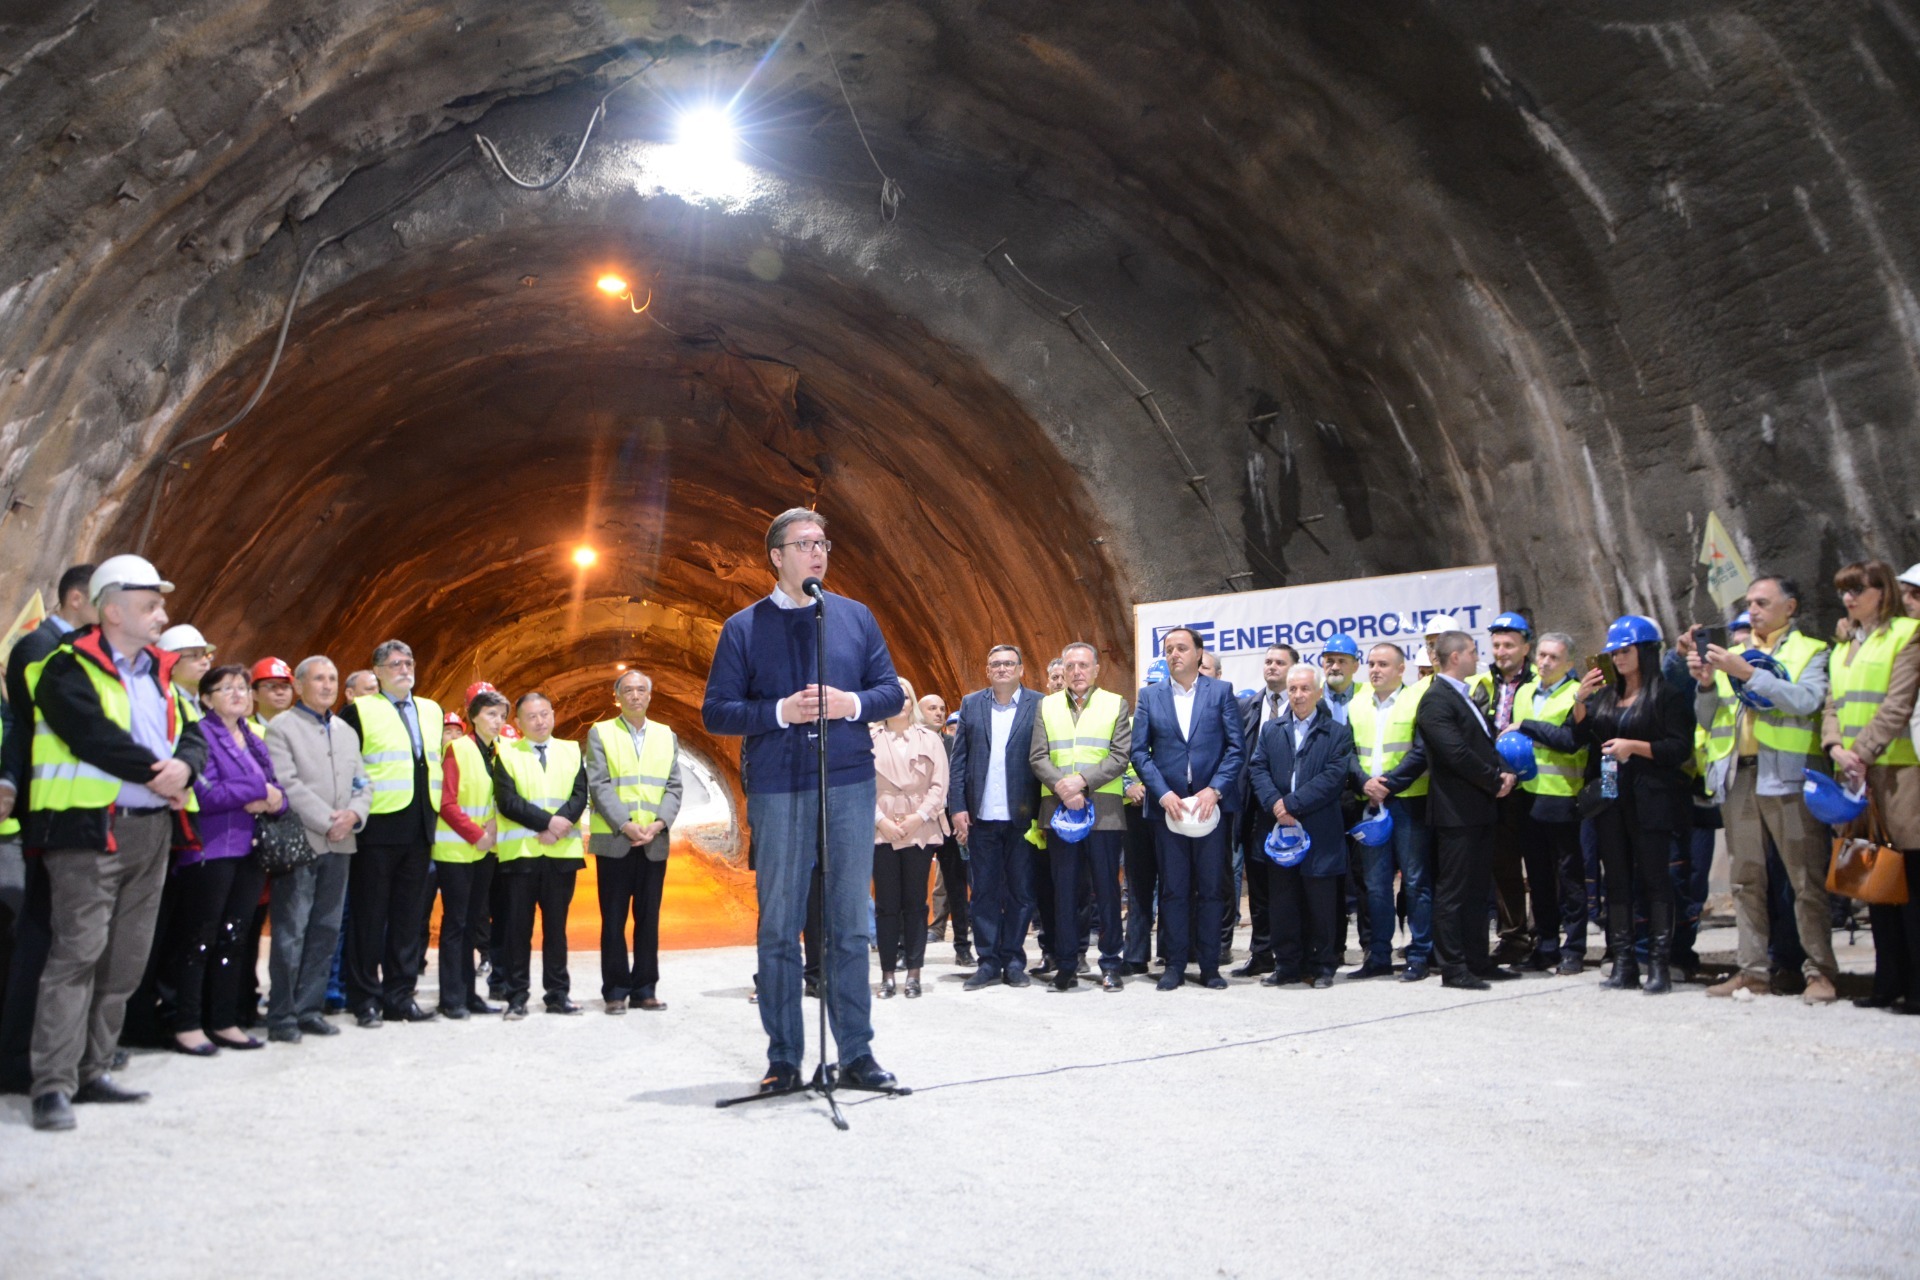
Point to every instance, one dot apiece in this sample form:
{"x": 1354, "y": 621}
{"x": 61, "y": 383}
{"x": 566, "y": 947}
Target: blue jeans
{"x": 1410, "y": 852}
{"x": 785, "y": 848}
{"x": 1000, "y": 876}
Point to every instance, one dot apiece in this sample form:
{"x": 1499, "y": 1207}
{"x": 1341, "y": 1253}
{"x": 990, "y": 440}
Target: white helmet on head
{"x": 183, "y": 637}
{"x": 129, "y": 573}
{"x": 1439, "y": 623}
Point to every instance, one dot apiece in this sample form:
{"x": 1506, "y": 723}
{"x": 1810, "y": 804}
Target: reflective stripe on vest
{"x": 1860, "y": 686}
{"x": 61, "y": 780}
{"x": 1778, "y": 730}
{"x": 1717, "y": 742}
{"x": 1561, "y": 772}
{"x": 548, "y": 789}
{"x": 387, "y": 749}
{"x": 1363, "y": 714}
{"x": 1075, "y": 744}
{"x": 640, "y": 777}
{"x": 475, "y": 799}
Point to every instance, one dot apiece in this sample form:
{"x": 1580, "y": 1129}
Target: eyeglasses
{"x": 1003, "y": 664}
{"x": 810, "y": 545}
{"x": 398, "y": 664}
{"x": 1855, "y": 591}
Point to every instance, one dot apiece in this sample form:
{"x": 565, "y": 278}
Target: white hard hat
{"x": 1191, "y": 827}
{"x": 1912, "y": 576}
{"x": 184, "y": 636}
{"x": 1440, "y": 622}
{"x": 129, "y": 573}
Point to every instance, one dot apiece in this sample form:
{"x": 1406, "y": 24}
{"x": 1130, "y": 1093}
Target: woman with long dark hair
{"x": 1874, "y": 672}
{"x": 1639, "y": 731}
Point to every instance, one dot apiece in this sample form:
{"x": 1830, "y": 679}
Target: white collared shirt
{"x": 1380, "y": 707}
{"x": 993, "y": 801}
{"x": 1183, "y": 700}
{"x": 1273, "y": 705}
{"x": 1461, "y": 685}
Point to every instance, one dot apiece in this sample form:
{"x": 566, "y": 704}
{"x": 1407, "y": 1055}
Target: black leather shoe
{"x": 1169, "y": 981}
{"x": 1497, "y": 975}
{"x": 979, "y": 978}
{"x": 1465, "y": 982}
{"x": 1414, "y": 973}
{"x": 1111, "y": 981}
{"x": 1065, "y": 981}
{"x": 1538, "y": 963}
{"x": 887, "y": 989}
{"x": 864, "y": 1073}
{"x": 368, "y": 1017}
{"x": 1370, "y": 970}
{"x": 1874, "y": 1002}
{"x": 1214, "y": 982}
{"x": 284, "y": 1035}
{"x": 1570, "y": 966}
{"x": 1322, "y": 982}
{"x": 516, "y": 1010}
{"x": 454, "y": 1012}
{"x": 106, "y": 1089}
{"x": 411, "y": 1012}
{"x": 476, "y": 1005}
{"x": 963, "y": 954}
{"x": 52, "y": 1111}
{"x": 1017, "y": 978}
{"x": 781, "y": 1077}
{"x": 1046, "y": 966}
{"x": 810, "y": 986}
{"x": 1253, "y": 968}
{"x": 567, "y": 1007}
{"x": 315, "y": 1025}
{"x": 1279, "y": 978}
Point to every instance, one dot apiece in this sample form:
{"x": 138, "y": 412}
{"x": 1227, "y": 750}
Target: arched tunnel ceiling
{"x": 1535, "y": 284}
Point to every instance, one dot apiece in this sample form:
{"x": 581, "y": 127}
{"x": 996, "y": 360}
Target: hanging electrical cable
{"x": 491, "y": 150}
{"x": 890, "y": 192}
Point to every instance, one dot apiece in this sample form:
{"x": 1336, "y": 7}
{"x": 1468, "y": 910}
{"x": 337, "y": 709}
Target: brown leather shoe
{"x": 1819, "y": 990}
{"x": 1759, "y": 986}
{"x": 650, "y": 1004}
{"x": 616, "y": 1006}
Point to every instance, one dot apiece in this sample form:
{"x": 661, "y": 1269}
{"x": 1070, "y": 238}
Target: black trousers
{"x": 32, "y": 938}
{"x": 1254, "y": 860}
{"x": 1090, "y": 867}
{"x": 466, "y": 889}
{"x": 1143, "y": 887}
{"x": 1634, "y": 860}
{"x": 385, "y": 883}
{"x": 1304, "y": 911}
{"x": 1896, "y": 941}
{"x": 953, "y": 874}
{"x": 1514, "y": 877}
{"x": 548, "y": 884}
{"x": 630, "y": 887}
{"x": 490, "y": 938}
{"x": 1463, "y": 858}
{"x": 900, "y": 904}
{"x": 213, "y": 921}
{"x": 1557, "y": 845}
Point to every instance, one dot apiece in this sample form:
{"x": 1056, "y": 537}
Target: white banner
{"x": 1242, "y": 625}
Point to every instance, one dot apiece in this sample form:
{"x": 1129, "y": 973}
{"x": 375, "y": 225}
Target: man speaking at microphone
{"x": 761, "y": 688}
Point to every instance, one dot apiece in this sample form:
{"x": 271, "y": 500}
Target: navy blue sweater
{"x": 765, "y": 654}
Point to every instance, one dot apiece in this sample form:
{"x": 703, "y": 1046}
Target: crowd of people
{"x": 160, "y": 807}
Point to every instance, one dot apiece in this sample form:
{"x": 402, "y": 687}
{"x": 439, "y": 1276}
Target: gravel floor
{"x": 1545, "y": 1127}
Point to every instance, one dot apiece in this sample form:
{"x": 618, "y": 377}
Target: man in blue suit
{"x": 992, "y": 795}
{"x": 1187, "y": 749}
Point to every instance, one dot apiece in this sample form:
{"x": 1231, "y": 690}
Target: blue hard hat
{"x": 1249, "y": 693}
{"x": 1510, "y": 622}
{"x": 1763, "y": 662}
{"x": 1288, "y": 845}
{"x": 954, "y": 718}
{"x": 1072, "y": 825}
{"x": 1629, "y": 630}
{"x": 1157, "y": 671}
{"x": 1374, "y": 829}
{"x": 1342, "y": 644}
{"x": 1516, "y": 752}
{"x": 1829, "y": 802}
{"x": 1742, "y": 620}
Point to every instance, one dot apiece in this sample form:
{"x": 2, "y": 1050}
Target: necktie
{"x": 541, "y": 748}
{"x": 1273, "y": 706}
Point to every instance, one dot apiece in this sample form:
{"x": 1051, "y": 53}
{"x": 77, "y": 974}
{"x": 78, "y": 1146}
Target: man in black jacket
{"x": 993, "y": 796}
{"x": 29, "y": 936}
{"x": 1255, "y": 820}
{"x": 1466, "y": 782}
{"x": 115, "y": 770}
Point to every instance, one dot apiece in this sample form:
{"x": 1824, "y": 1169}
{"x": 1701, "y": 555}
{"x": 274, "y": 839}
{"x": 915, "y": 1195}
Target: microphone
{"x": 813, "y": 588}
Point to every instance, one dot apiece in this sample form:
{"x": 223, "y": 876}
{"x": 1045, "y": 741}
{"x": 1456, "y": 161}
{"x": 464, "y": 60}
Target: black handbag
{"x": 280, "y": 843}
{"x": 1590, "y": 803}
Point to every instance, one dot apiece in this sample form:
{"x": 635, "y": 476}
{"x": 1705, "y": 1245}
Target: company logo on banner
{"x": 1241, "y": 626}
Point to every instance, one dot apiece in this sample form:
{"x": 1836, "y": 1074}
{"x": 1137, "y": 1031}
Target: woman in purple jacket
{"x": 217, "y": 884}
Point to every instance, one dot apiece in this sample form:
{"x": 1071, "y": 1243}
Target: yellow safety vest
{"x": 11, "y": 827}
{"x": 639, "y": 776}
{"x": 475, "y": 798}
{"x": 1075, "y": 745}
{"x": 548, "y": 788}
{"x": 1561, "y": 772}
{"x": 1777, "y": 730}
{"x": 1364, "y": 716}
{"x": 1717, "y": 743}
{"x": 387, "y": 749}
{"x": 60, "y": 780}
{"x": 1860, "y": 686}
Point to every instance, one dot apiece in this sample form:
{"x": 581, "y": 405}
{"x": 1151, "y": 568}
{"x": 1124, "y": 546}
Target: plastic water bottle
{"x": 1609, "y": 777}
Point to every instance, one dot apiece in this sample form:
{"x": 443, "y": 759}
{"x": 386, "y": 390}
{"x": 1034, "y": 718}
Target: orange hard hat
{"x": 271, "y": 669}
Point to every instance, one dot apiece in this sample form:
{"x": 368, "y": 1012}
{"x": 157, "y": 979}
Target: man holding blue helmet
{"x": 1389, "y": 768}
{"x": 1761, "y": 712}
{"x": 1522, "y": 869}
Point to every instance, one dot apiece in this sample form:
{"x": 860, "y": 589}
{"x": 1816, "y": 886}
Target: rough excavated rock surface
{"x": 1536, "y": 284}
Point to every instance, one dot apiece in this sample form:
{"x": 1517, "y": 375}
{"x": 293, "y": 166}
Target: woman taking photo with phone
{"x": 1639, "y": 732}
{"x": 1874, "y": 673}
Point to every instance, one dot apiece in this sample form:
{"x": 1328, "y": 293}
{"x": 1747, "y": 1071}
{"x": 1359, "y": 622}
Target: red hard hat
{"x": 479, "y": 687}
{"x": 508, "y": 731}
{"x": 453, "y": 718}
{"x": 271, "y": 669}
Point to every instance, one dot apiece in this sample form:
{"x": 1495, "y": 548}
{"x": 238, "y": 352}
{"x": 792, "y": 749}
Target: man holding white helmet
{"x": 1079, "y": 753}
{"x": 1187, "y": 749}
{"x": 116, "y": 764}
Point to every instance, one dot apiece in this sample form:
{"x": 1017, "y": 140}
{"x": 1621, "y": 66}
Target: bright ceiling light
{"x": 708, "y": 131}
{"x": 612, "y": 285}
{"x": 701, "y": 163}
{"x": 585, "y": 556}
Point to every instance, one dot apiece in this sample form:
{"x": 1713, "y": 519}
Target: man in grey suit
{"x": 634, "y": 788}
